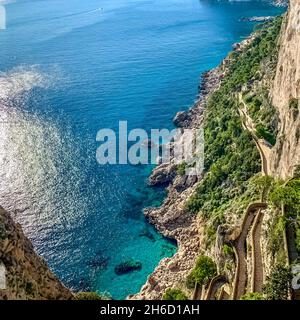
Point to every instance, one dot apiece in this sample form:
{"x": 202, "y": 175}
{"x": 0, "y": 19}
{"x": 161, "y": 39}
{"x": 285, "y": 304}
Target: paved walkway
{"x": 215, "y": 284}
{"x": 240, "y": 250}
{"x": 257, "y": 262}
{"x": 262, "y": 145}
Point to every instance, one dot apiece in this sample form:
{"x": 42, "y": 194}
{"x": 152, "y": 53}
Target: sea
{"x": 71, "y": 68}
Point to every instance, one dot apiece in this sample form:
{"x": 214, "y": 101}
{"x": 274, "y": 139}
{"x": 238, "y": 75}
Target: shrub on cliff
{"x": 174, "y": 294}
{"x": 204, "y": 270}
{"x": 264, "y": 133}
{"x": 296, "y": 174}
{"x": 278, "y": 284}
{"x": 298, "y": 239}
{"x": 181, "y": 168}
{"x": 227, "y": 250}
{"x": 253, "y": 296}
{"x": 287, "y": 194}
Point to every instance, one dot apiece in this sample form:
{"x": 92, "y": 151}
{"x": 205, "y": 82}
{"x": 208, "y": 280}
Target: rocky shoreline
{"x": 171, "y": 219}
{"x": 25, "y": 275}
{"x": 257, "y": 19}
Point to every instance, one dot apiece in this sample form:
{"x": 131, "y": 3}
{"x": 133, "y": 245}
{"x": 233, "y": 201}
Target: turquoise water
{"x": 70, "y": 68}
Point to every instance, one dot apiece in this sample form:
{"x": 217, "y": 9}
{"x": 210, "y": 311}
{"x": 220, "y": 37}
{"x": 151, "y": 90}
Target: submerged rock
{"x": 99, "y": 262}
{"x": 146, "y": 233}
{"x": 128, "y": 266}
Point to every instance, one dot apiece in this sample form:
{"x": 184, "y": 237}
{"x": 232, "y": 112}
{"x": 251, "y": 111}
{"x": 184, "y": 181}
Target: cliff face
{"x": 171, "y": 219}
{"x": 244, "y": 219}
{"x": 285, "y": 96}
{"x": 23, "y": 274}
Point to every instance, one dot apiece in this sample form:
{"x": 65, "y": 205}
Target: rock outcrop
{"x": 24, "y": 275}
{"x": 285, "y": 96}
{"x": 281, "y": 3}
{"x": 173, "y": 222}
{"x": 171, "y": 219}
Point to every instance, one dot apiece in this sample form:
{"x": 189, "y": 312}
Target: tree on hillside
{"x": 204, "y": 270}
{"x": 174, "y": 294}
{"x": 278, "y": 283}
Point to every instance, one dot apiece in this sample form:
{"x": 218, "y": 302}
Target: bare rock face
{"x": 281, "y": 3}
{"x": 285, "y": 96}
{"x": 163, "y": 174}
{"x": 24, "y": 275}
{"x": 181, "y": 119}
{"x": 171, "y": 219}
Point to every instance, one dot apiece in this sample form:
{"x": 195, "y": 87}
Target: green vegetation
{"x": 174, "y": 294}
{"x": 181, "y": 169}
{"x": 284, "y": 196}
{"x": 232, "y": 162}
{"x": 298, "y": 239}
{"x": 204, "y": 271}
{"x": 253, "y": 296}
{"x": 231, "y": 156}
{"x": 227, "y": 250}
{"x": 275, "y": 237}
{"x": 263, "y": 184}
{"x": 247, "y": 65}
{"x": 277, "y": 286}
{"x": 296, "y": 174}
{"x": 263, "y": 133}
{"x": 263, "y": 113}
{"x": 91, "y": 296}
{"x": 287, "y": 194}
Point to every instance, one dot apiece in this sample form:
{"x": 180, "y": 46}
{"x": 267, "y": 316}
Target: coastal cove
{"x": 76, "y": 72}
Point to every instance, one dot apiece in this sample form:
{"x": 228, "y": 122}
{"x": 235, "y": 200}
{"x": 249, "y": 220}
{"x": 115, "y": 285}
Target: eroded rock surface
{"x": 27, "y": 276}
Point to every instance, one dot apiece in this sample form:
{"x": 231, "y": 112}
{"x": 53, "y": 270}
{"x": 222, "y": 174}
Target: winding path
{"x": 240, "y": 250}
{"x": 257, "y": 278}
{"x": 252, "y": 224}
{"x": 261, "y": 144}
{"x": 215, "y": 284}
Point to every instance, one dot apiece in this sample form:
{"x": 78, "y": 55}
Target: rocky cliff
{"x": 23, "y": 274}
{"x": 285, "y": 96}
{"x": 265, "y": 72}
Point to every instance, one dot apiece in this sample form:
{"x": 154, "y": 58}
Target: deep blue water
{"x": 70, "y": 68}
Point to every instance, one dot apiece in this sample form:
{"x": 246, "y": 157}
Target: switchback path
{"x": 240, "y": 250}
{"x": 215, "y": 284}
{"x": 257, "y": 278}
{"x": 264, "y": 151}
